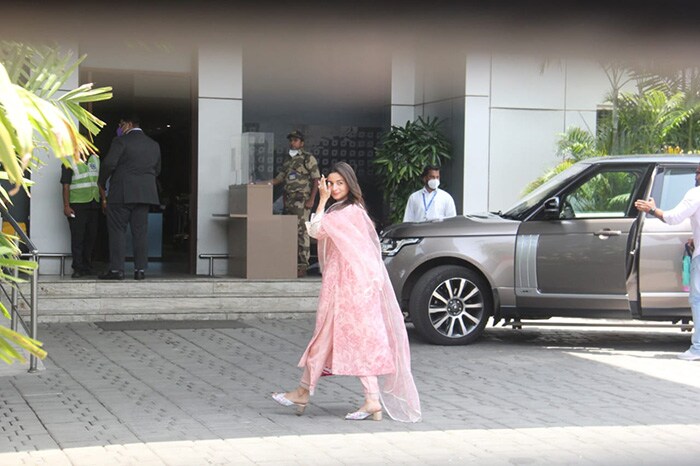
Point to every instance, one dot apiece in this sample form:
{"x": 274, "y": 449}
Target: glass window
{"x": 609, "y": 193}
{"x": 670, "y": 188}
{"x": 545, "y": 190}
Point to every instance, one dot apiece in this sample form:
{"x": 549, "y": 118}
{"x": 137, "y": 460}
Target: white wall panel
{"x": 451, "y": 113}
{"x": 523, "y": 82}
{"x": 220, "y": 125}
{"x": 400, "y": 114}
{"x": 49, "y": 229}
{"x": 586, "y": 85}
{"x": 440, "y": 85}
{"x": 478, "y": 75}
{"x": 220, "y": 72}
{"x": 476, "y": 154}
{"x": 582, "y": 119}
{"x": 443, "y": 76}
{"x": 403, "y": 78}
{"x": 477, "y": 127}
{"x": 220, "y": 118}
{"x": 403, "y": 87}
{"x": 441, "y": 109}
{"x": 48, "y": 226}
{"x": 522, "y": 147}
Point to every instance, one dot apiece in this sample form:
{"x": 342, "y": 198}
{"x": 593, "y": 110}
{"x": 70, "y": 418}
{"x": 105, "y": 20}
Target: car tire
{"x": 450, "y": 305}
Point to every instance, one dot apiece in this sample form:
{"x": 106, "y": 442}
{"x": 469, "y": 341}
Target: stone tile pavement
{"x": 201, "y": 396}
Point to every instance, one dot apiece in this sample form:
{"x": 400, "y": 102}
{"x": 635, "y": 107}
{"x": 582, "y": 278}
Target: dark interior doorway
{"x": 164, "y": 104}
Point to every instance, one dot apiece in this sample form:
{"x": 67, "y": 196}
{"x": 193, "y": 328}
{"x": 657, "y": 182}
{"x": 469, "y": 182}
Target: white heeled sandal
{"x": 284, "y": 401}
{"x": 363, "y": 415}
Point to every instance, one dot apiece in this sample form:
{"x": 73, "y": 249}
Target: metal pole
{"x": 14, "y": 299}
{"x": 34, "y": 310}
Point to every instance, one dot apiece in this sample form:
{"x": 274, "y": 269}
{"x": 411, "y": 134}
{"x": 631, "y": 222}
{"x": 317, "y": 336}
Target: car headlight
{"x": 391, "y": 246}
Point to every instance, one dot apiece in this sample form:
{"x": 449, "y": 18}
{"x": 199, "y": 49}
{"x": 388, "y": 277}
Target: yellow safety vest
{"x": 83, "y": 185}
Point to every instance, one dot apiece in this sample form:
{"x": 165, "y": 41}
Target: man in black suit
{"x": 131, "y": 166}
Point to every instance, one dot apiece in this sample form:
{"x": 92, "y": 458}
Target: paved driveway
{"x": 200, "y": 396}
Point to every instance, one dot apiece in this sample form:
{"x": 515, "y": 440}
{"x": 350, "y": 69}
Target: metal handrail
{"x": 61, "y": 256}
{"x": 5, "y": 214}
{"x": 211, "y": 258}
{"x": 15, "y": 317}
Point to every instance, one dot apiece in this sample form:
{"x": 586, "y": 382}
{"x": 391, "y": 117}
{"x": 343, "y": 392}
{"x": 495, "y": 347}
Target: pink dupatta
{"x": 351, "y": 231}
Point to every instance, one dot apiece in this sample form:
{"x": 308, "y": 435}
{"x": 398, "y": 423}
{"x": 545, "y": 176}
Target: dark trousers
{"x": 118, "y": 217}
{"x": 83, "y": 233}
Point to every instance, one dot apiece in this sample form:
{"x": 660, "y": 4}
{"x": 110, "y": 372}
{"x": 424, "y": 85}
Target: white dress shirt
{"x": 423, "y": 205}
{"x": 689, "y": 207}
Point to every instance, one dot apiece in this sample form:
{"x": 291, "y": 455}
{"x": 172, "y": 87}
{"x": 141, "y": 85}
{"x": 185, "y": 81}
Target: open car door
{"x": 661, "y": 247}
{"x": 577, "y": 259}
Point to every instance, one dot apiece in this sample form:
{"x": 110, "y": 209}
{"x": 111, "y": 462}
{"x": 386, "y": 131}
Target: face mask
{"x": 119, "y": 131}
{"x": 433, "y": 183}
{"x": 293, "y": 152}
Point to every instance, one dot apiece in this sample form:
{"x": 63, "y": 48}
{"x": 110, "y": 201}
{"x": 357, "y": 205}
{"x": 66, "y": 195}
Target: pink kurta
{"x": 359, "y": 325}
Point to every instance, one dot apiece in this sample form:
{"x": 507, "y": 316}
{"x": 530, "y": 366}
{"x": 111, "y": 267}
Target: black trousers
{"x": 83, "y": 233}
{"x": 118, "y": 217}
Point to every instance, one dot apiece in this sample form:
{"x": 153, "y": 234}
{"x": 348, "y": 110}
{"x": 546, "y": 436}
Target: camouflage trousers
{"x": 303, "y": 246}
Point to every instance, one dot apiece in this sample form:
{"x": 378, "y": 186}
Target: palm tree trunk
{"x": 615, "y": 123}
{"x": 690, "y": 147}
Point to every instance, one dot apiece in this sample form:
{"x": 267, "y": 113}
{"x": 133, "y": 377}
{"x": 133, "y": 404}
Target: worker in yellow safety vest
{"x": 81, "y": 206}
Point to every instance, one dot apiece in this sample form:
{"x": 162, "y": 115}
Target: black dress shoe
{"x": 111, "y": 275}
{"x": 139, "y": 275}
{"x": 77, "y": 274}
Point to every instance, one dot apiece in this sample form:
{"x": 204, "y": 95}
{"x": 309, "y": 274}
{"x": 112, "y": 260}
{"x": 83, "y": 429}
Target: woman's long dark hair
{"x": 348, "y": 174}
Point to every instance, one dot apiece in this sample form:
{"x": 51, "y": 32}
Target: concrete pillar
{"x": 47, "y": 224}
{"x": 477, "y": 123}
{"x": 403, "y": 87}
{"x": 220, "y": 121}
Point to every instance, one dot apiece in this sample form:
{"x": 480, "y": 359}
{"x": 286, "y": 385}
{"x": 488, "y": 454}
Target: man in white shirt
{"x": 689, "y": 207}
{"x": 429, "y": 203}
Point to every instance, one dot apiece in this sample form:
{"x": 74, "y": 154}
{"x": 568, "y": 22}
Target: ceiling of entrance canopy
{"x": 348, "y": 75}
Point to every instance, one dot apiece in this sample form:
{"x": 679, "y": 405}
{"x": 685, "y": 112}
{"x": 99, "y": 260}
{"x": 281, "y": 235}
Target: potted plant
{"x": 402, "y": 155}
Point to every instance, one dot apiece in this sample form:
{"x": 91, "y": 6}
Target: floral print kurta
{"x": 359, "y": 325}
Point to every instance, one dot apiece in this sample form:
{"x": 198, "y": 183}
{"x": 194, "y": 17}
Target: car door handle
{"x": 606, "y": 233}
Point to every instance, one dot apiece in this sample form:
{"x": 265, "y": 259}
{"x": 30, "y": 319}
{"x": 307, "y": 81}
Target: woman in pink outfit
{"x": 359, "y": 325}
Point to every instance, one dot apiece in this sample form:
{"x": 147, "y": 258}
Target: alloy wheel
{"x": 456, "y": 307}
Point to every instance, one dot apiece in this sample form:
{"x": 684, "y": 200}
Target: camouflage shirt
{"x": 296, "y": 174}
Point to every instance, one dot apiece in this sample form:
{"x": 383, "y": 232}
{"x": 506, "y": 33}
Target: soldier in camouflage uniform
{"x": 299, "y": 175}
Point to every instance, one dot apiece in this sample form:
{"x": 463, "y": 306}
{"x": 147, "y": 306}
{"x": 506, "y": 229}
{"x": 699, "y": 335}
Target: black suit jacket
{"x": 131, "y": 165}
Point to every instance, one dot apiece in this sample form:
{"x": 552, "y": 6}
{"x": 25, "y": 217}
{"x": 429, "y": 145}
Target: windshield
{"x": 543, "y": 191}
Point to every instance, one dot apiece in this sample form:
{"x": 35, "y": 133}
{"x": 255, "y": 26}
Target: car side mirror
{"x": 551, "y": 207}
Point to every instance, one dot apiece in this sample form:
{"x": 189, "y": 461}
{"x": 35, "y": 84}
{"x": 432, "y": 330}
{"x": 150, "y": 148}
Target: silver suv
{"x": 574, "y": 247}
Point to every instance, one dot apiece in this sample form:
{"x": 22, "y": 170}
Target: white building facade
{"x": 503, "y": 114}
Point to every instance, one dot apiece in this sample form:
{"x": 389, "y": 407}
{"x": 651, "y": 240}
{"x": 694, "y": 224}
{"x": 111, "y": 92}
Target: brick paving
{"x": 201, "y": 396}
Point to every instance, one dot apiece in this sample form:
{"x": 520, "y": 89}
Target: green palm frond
{"x": 33, "y": 116}
{"x": 647, "y": 119}
{"x": 10, "y": 354}
{"x": 576, "y": 144}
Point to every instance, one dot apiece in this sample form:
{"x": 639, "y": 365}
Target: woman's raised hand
{"x": 324, "y": 191}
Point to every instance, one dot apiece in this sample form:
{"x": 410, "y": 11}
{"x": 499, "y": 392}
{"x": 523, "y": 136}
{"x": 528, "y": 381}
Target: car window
{"x": 671, "y": 185}
{"x": 607, "y": 194}
{"x": 554, "y": 184}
